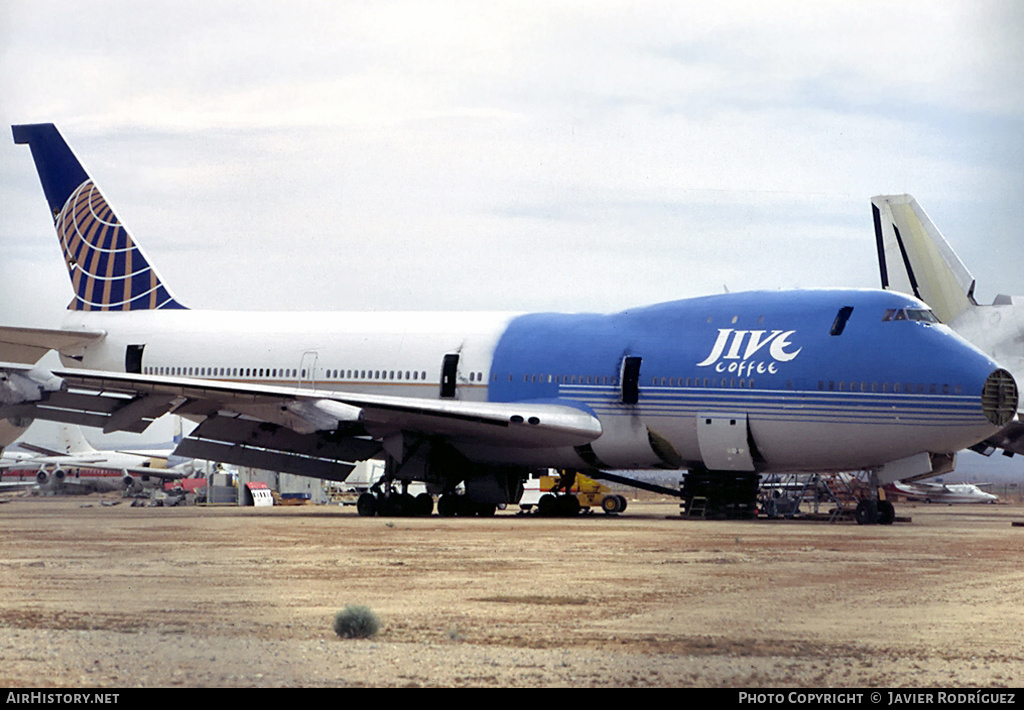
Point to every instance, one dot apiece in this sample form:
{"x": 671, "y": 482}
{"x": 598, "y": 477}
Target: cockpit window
{"x": 921, "y": 315}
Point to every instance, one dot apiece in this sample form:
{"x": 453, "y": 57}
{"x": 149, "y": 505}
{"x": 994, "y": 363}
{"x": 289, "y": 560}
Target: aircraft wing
{"x": 27, "y": 345}
{"x": 6, "y": 486}
{"x": 301, "y": 430}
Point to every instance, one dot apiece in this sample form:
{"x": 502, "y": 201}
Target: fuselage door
{"x": 449, "y": 372}
{"x": 133, "y": 358}
{"x": 630, "y": 380}
{"x": 307, "y": 369}
{"x": 724, "y": 442}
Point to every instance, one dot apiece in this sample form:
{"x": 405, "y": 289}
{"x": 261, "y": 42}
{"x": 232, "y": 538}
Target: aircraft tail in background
{"x": 914, "y": 257}
{"x": 108, "y": 270}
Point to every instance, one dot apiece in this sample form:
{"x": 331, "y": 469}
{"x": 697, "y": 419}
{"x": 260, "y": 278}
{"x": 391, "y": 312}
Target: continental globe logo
{"x": 108, "y": 271}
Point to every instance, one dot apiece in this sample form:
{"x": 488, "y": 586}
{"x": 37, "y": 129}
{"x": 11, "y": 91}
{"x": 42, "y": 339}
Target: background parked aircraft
{"x": 944, "y": 492}
{"x": 61, "y": 460}
{"x": 914, "y": 258}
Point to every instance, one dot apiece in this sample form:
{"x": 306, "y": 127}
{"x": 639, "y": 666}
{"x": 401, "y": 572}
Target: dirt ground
{"x": 101, "y": 595}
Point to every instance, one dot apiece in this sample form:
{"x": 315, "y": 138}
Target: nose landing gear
{"x": 872, "y": 511}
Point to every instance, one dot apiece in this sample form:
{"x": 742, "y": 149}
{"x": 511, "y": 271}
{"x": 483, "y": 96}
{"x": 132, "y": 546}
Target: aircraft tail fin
{"x": 73, "y": 441}
{"x": 914, "y": 257}
{"x": 108, "y": 270}
{"x": 68, "y": 439}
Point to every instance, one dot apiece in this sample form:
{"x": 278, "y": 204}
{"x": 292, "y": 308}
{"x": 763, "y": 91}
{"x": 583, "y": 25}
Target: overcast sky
{"x": 570, "y": 156}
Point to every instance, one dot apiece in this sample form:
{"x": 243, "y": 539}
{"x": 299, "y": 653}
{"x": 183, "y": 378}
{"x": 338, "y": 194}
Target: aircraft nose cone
{"x": 999, "y": 397}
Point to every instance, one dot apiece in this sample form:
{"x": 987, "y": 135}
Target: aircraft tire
{"x": 390, "y": 506}
{"x": 448, "y": 505}
{"x": 366, "y": 505}
{"x": 867, "y": 512}
{"x": 886, "y": 512}
{"x": 469, "y": 508}
{"x": 568, "y": 505}
{"x": 424, "y": 505}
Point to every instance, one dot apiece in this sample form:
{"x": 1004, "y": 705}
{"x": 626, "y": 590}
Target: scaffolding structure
{"x": 781, "y": 496}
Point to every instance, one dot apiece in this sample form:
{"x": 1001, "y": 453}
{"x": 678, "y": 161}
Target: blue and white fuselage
{"x": 877, "y": 390}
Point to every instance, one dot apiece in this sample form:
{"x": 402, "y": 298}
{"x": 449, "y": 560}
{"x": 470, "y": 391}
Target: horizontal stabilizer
{"x": 41, "y": 450}
{"x": 27, "y": 345}
{"x": 59, "y": 170}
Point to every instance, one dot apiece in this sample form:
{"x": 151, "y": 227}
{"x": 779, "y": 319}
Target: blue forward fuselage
{"x": 821, "y": 378}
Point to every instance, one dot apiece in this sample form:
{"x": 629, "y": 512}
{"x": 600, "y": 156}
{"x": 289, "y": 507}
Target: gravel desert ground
{"x": 103, "y": 595}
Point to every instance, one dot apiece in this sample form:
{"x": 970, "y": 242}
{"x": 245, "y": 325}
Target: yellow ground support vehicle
{"x": 569, "y": 492}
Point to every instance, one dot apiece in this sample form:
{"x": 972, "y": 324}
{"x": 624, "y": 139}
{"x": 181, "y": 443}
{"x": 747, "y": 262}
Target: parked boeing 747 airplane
{"x": 914, "y": 258}
{"x": 737, "y": 383}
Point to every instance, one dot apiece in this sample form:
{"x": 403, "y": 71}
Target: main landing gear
{"x": 875, "y": 510}
{"x": 452, "y": 504}
{"x": 395, "y": 505}
{"x": 442, "y": 470}
{"x": 405, "y": 505}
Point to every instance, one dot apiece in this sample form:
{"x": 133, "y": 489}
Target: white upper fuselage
{"x": 395, "y": 353}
